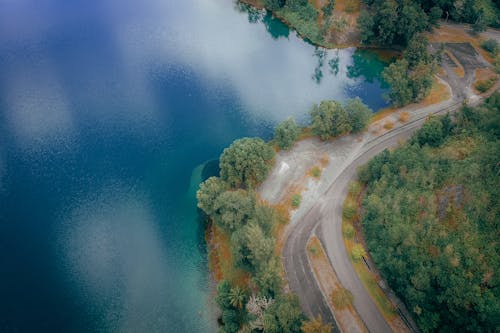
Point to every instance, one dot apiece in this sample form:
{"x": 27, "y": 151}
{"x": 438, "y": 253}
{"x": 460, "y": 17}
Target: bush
{"x": 490, "y": 45}
{"x": 350, "y": 210}
{"x": 296, "y": 198}
{"x": 286, "y": 133}
{"x": 354, "y": 188}
{"x": 431, "y": 133}
{"x": 316, "y": 172}
{"x": 246, "y": 162}
{"x": 358, "y": 252}
{"x": 348, "y": 231}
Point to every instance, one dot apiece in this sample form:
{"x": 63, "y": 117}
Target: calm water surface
{"x": 108, "y": 110}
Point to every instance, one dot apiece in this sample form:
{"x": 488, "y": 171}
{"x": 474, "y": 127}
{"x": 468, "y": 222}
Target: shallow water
{"x": 108, "y": 111}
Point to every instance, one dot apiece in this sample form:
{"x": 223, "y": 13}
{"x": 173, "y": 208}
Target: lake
{"x": 109, "y": 111}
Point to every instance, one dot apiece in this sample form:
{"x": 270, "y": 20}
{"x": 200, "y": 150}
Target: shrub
{"x": 388, "y": 125}
{"x": 354, "y": 188}
{"x": 296, "y": 198}
{"x": 316, "y": 172}
{"x": 491, "y": 46}
{"x": 358, "y": 252}
{"x": 348, "y": 231}
{"x": 350, "y": 210}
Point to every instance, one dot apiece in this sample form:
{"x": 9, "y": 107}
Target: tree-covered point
{"x": 431, "y": 220}
{"x": 246, "y": 162}
{"x": 330, "y": 119}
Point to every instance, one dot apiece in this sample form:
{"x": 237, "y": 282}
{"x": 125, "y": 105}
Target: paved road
{"x": 327, "y": 216}
{"x": 324, "y": 218}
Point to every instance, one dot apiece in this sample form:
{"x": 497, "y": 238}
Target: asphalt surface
{"x": 326, "y": 215}
{"x": 324, "y": 218}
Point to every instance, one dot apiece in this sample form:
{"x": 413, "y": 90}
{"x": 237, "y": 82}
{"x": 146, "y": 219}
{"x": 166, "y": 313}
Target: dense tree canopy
{"x": 411, "y": 77}
{"x": 330, "y": 118}
{"x": 246, "y": 162}
{"x": 431, "y": 220}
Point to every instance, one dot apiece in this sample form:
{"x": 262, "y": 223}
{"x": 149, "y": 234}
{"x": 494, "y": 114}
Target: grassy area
{"x": 220, "y": 259}
{"x": 369, "y": 279}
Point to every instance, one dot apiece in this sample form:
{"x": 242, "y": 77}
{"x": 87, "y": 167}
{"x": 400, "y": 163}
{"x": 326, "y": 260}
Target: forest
{"x": 430, "y": 217}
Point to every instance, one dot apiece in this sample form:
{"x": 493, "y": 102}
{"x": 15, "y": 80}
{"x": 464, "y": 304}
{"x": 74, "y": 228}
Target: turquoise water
{"x": 108, "y": 111}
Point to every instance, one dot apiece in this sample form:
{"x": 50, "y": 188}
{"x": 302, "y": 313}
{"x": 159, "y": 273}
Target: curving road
{"x": 325, "y": 219}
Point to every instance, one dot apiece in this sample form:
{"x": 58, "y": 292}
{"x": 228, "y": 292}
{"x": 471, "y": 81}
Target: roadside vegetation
{"x": 244, "y": 229}
{"x": 431, "y": 220}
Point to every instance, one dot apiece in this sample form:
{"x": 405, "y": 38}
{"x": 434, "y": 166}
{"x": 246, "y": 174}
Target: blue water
{"x": 108, "y": 111}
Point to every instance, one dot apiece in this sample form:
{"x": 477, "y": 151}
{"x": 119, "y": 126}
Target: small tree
{"x": 296, "y": 198}
{"x": 350, "y": 210}
{"x": 329, "y": 119}
{"x": 209, "y": 191}
{"x": 286, "y": 133}
{"x": 232, "y": 209}
{"x": 396, "y": 75}
{"x": 431, "y": 133}
{"x": 358, "y": 252}
{"x": 359, "y": 114}
{"x": 246, "y": 162}
{"x": 348, "y": 230}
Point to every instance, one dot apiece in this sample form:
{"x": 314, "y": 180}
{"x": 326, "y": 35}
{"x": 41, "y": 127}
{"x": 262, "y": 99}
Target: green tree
{"x": 209, "y": 191}
{"x": 237, "y": 297}
{"x": 328, "y": 8}
{"x": 416, "y": 51}
{"x": 268, "y": 279}
{"x": 420, "y": 80}
{"x": 359, "y": 114}
{"x": 431, "y": 133}
{"x": 261, "y": 247}
{"x": 246, "y": 162}
{"x": 284, "y": 316}
{"x": 232, "y": 209}
{"x": 274, "y": 4}
{"x": 396, "y": 75}
{"x": 329, "y": 119}
{"x": 286, "y": 133}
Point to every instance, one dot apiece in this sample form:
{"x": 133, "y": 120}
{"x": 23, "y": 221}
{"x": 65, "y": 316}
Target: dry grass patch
{"x": 404, "y": 116}
{"x": 382, "y": 114}
{"x": 439, "y": 93}
{"x": 388, "y": 124}
{"x": 220, "y": 259}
